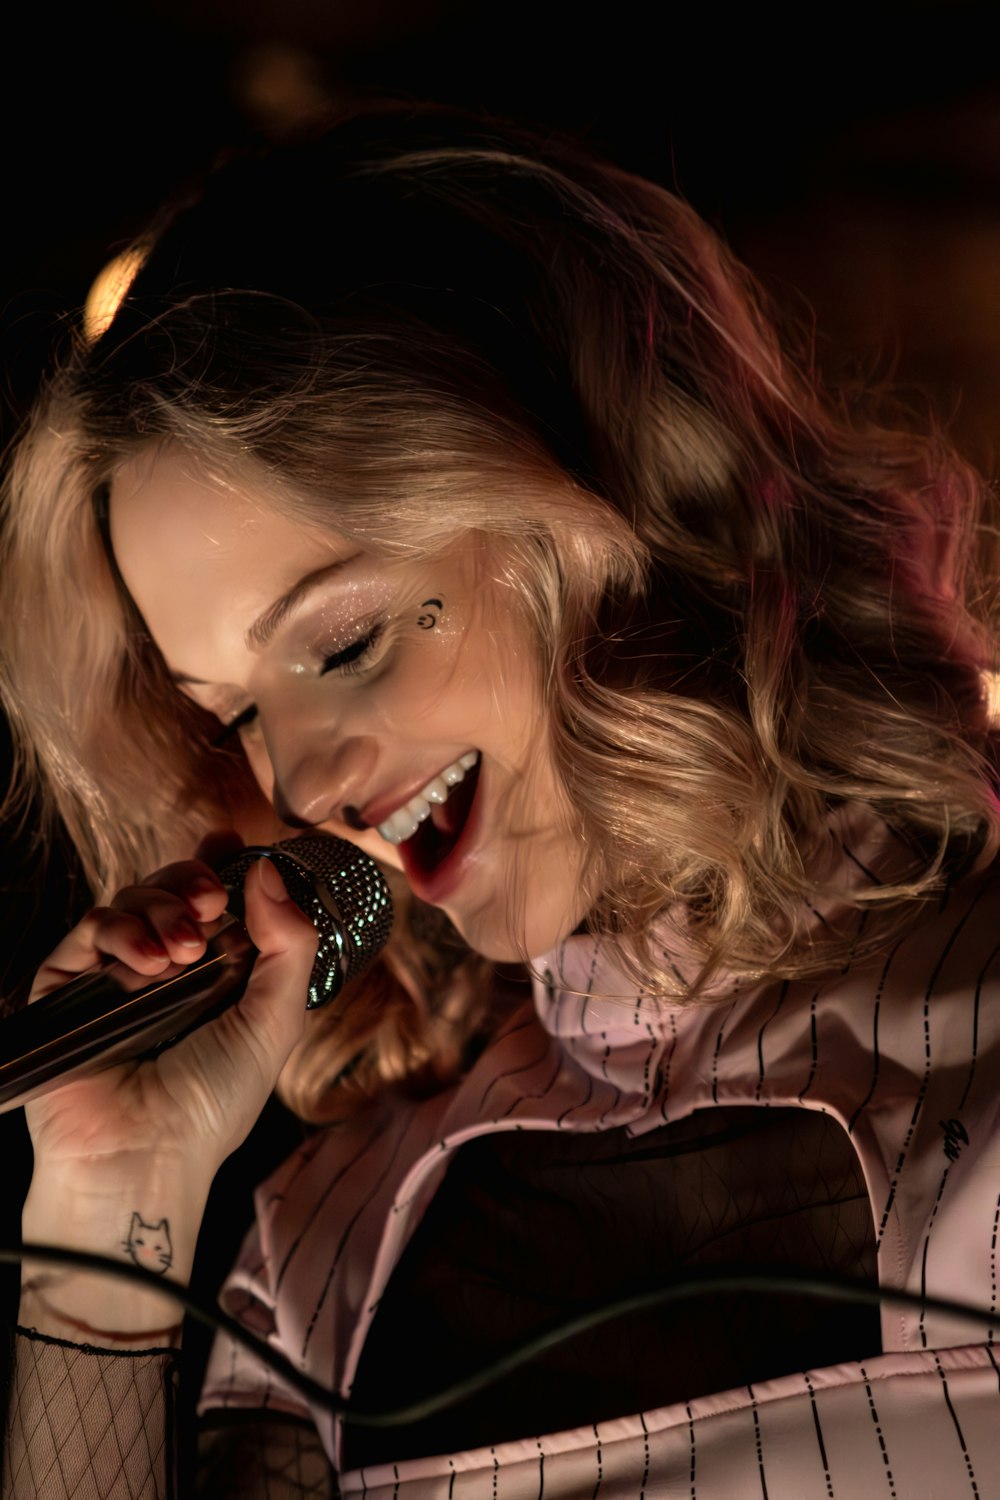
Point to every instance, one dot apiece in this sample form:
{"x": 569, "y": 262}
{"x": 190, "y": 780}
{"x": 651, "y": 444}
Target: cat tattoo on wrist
{"x": 149, "y": 1245}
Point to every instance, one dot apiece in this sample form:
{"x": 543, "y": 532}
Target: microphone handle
{"x": 113, "y": 1015}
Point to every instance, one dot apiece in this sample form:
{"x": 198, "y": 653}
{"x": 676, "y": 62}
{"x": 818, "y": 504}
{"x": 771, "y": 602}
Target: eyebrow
{"x": 264, "y": 627}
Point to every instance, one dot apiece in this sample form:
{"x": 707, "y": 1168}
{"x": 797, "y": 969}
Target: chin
{"x": 497, "y": 939}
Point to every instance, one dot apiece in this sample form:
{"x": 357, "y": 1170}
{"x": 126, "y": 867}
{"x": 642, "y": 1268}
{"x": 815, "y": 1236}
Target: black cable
{"x": 212, "y": 1316}
{"x": 807, "y": 1283}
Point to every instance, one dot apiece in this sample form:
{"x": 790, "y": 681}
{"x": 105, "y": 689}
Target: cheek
{"x": 256, "y": 821}
{"x": 478, "y": 686}
{"x": 259, "y": 762}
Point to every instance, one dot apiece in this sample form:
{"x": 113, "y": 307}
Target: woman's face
{"x": 371, "y": 693}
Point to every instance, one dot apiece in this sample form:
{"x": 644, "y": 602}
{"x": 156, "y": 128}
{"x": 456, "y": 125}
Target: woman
{"x": 450, "y": 491}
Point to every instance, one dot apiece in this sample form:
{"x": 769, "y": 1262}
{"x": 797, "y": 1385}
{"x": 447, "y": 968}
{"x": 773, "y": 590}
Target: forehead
{"x": 170, "y": 520}
{"x": 163, "y": 498}
{"x": 197, "y": 554}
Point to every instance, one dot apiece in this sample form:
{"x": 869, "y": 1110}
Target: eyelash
{"x": 349, "y": 661}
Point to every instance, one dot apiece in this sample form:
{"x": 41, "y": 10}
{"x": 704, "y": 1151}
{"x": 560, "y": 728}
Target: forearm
{"x": 262, "y": 1455}
{"x": 95, "y": 1366}
{"x": 146, "y": 1213}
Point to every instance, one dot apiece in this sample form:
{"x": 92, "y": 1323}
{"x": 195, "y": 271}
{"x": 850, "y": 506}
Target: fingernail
{"x": 274, "y": 886}
{"x": 149, "y": 948}
{"x": 204, "y": 885}
{"x": 187, "y": 935}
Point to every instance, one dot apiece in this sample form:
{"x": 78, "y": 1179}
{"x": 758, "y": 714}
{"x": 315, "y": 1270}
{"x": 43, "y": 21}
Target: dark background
{"x": 850, "y": 153}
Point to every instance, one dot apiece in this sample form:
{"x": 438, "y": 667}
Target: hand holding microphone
{"x": 169, "y": 954}
{"x": 156, "y": 1034}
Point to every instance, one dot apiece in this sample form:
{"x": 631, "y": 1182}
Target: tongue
{"x": 446, "y": 816}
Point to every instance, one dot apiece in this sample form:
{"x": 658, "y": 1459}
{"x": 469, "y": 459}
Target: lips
{"x": 434, "y": 856}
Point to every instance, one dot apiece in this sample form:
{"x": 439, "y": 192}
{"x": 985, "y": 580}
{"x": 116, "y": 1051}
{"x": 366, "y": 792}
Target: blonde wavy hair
{"x": 752, "y": 604}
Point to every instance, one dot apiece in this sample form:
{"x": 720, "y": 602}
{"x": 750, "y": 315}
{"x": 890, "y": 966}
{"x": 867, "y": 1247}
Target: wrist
{"x": 148, "y": 1218}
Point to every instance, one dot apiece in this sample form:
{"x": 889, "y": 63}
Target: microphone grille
{"x": 341, "y": 889}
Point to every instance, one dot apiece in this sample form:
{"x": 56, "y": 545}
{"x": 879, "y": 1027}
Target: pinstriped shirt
{"x": 902, "y": 1050}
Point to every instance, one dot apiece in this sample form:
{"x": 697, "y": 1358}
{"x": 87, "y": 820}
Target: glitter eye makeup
{"x": 352, "y": 658}
{"x": 348, "y": 661}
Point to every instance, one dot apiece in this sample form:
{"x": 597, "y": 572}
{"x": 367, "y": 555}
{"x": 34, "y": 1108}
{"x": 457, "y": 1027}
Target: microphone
{"x": 110, "y": 1014}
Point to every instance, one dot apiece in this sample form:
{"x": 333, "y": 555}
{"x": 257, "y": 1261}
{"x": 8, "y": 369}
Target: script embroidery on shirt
{"x": 955, "y": 1137}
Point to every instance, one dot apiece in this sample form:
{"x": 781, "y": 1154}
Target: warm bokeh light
{"x": 108, "y": 290}
{"x": 991, "y": 682}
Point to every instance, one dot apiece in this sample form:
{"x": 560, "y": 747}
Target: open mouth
{"x": 438, "y": 836}
{"x": 429, "y": 848}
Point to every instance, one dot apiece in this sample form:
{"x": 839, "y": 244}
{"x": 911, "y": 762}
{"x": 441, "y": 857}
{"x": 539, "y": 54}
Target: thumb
{"x": 274, "y": 1004}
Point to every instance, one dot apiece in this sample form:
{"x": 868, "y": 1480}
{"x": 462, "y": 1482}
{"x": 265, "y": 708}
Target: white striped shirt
{"x": 903, "y": 1050}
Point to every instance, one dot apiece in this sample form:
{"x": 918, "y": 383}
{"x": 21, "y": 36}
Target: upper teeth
{"x": 404, "y": 822}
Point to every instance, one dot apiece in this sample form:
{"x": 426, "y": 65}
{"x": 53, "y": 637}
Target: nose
{"x": 322, "y": 785}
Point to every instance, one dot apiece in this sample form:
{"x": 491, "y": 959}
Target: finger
{"x": 169, "y": 919}
{"x": 103, "y": 933}
{"x": 275, "y": 1001}
{"x": 194, "y": 882}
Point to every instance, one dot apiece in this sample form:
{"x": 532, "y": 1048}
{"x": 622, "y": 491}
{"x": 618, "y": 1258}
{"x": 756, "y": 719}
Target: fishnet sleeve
{"x": 96, "y": 1424}
{"x": 258, "y": 1455}
{"x": 89, "y": 1424}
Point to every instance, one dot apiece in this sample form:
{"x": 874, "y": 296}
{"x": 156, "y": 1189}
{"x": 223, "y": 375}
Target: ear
{"x": 162, "y": 1225}
{"x": 135, "y": 1224}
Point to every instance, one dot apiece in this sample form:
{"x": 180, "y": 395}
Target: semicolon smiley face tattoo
{"x": 431, "y": 608}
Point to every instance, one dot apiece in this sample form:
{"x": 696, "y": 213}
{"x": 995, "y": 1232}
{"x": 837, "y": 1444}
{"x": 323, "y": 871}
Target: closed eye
{"x": 348, "y": 661}
{"x": 235, "y": 725}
